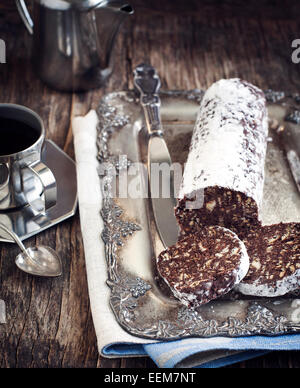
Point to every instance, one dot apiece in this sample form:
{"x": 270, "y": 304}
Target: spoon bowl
{"x": 40, "y": 261}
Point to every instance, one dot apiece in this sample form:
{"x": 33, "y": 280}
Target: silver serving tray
{"x": 140, "y": 300}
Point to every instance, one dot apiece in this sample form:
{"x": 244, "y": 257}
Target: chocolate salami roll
{"x": 274, "y": 253}
{"x": 224, "y": 175}
{"x": 204, "y": 265}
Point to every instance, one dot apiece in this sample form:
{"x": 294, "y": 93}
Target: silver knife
{"x": 147, "y": 82}
{"x": 289, "y": 136}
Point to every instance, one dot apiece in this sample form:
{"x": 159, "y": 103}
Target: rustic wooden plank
{"x": 192, "y": 44}
{"x": 48, "y": 321}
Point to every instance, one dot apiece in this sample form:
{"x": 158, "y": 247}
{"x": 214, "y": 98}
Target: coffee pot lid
{"x": 66, "y": 4}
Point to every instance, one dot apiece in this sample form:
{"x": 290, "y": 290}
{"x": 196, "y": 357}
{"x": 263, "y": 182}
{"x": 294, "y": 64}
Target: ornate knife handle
{"x": 147, "y": 81}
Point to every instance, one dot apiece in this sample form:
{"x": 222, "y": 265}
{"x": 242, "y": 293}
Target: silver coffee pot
{"x": 73, "y": 40}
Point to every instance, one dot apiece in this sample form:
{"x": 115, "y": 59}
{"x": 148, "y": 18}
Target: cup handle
{"x": 47, "y": 179}
{"x": 4, "y": 175}
{"x": 24, "y": 13}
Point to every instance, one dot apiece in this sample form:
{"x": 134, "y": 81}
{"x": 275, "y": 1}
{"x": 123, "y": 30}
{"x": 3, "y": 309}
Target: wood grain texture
{"x": 192, "y": 44}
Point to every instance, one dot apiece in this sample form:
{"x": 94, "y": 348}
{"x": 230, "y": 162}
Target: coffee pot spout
{"x": 118, "y": 6}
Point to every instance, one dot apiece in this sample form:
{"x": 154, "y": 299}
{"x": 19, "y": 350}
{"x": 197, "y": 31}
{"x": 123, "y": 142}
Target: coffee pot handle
{"x": 48, "y": 182}
{"x": 24, "y": 13}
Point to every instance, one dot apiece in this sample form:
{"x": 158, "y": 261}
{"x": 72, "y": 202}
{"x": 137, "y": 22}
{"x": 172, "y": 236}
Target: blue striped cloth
{"x": 206, "y": 353}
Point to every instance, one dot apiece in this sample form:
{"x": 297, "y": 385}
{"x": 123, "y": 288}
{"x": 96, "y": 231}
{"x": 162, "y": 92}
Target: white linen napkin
{"x": 107, "y": 329}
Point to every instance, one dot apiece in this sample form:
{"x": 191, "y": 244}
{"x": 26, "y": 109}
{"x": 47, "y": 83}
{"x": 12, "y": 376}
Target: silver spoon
{"x": 38, "y": 261}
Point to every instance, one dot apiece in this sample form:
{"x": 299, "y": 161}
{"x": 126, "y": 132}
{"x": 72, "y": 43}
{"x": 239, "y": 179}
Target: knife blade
{"x": 161, "y": 176}
{"x": 289, "y": 137}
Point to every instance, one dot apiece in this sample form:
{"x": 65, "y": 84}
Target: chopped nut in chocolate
{"x": 204, "y": 265}
{"x": 223, "y": 207}
{"x": 274, "y": 253}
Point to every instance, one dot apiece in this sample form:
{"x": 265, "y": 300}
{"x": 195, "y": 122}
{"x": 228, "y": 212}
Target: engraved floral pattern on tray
{"x": 128, "y": 291}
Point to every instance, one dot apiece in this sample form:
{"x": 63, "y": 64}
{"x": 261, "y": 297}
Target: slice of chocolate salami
{"x": 204, "y": 266}
{"x": 224, "y": 175}
{"x": 274, "y": 253}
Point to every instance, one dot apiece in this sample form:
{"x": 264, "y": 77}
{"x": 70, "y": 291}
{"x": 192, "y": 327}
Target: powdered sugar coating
{"x": 281, "y": 287}
{"x": 229, "y": 142}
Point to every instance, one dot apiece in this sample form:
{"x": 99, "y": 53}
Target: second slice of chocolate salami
{"x": 224, "y": 175}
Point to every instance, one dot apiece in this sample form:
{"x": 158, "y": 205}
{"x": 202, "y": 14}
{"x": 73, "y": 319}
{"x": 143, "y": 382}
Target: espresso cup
{"x": 24, "y": 178}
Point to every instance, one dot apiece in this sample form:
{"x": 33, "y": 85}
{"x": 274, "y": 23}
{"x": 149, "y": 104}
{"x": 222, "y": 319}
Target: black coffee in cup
{"x": 16, "y": 136}
{"x": 22, "y": 136}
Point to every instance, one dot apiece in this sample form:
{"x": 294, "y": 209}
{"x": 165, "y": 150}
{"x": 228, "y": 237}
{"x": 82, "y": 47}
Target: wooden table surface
{"x": 192, "y": 44}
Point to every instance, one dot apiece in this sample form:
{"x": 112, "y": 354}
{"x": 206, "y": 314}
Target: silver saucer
{"x": 25, "y": 222}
